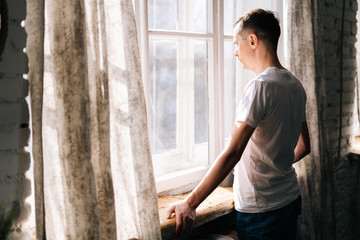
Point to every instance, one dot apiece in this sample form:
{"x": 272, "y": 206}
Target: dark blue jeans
{"x": 279, "y": 224}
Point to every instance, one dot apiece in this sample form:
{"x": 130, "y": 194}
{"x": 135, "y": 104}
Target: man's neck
{"x": 265, "y": 60}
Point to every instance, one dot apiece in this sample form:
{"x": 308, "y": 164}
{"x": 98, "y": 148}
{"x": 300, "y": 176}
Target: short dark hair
{"x": 264, "y": 23}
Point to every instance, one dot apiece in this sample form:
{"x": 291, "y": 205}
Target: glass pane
{"x": 229, "y": 87}
{"x": 178, "y": 15}
{"x": 200, "y": 92}
{"x": 196, "y": 11}
{"x": 229, "y": 16}
{"x": 162, "y": 14}
{"x": 163, "y": 88}
{"x": 179, "y": 103}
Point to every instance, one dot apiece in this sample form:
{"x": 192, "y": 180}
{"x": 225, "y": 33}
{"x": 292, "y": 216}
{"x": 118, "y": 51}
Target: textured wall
{"x": 15, "y": 187}
{"x": 346, "y": 170}
{"x": 332, "y": 21}
{"x": 347, "y": 197}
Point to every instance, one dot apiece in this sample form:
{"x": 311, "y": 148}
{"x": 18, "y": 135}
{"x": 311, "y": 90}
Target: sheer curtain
{"x": 92, "y": 161}
{"x": 315, "y": 173}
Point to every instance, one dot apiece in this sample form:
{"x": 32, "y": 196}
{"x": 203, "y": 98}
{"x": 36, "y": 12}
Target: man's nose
{"x": 236, "y": 53}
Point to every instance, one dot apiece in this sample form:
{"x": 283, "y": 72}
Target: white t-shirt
{"x": 274, "y": 104}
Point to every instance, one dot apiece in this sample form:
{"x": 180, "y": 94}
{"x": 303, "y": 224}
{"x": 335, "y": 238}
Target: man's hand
{"x": 185, "y": 211}
{"x": 185, "y": 216}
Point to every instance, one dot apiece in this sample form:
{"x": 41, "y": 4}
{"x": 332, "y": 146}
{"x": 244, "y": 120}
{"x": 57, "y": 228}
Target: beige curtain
{"x": 93, "y": 170}
{"x": 315, "y": 173}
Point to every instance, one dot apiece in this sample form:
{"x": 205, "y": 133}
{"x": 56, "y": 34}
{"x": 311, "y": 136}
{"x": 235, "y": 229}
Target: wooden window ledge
{"x": 355, "y": 148}
{"x": 219, "y": 203}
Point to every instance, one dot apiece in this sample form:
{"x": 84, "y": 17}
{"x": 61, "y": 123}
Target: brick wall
{"x": 346, "y": 170}
{"x": 332, "y": 13}
{"x": 15, "y": 187}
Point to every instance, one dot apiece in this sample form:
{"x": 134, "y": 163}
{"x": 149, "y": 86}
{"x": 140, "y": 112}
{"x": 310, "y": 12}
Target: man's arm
{"x": 303, "y": 145}
{"x": 225, "y": 162}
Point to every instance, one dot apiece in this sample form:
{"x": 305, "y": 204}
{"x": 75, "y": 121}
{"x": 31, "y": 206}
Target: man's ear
{"x": 253, "y": 40}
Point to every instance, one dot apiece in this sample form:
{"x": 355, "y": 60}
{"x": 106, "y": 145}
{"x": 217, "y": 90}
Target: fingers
{"x": 170, "y": 211}
{"x": 184, "y": 217}
{"x": 183, "y": 223}
{"x": 187, "y": 223}
{"x": 179, "y": 224}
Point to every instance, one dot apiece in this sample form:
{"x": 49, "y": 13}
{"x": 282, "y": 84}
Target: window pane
{"x": 163, "y": 88}
{"x": 229, "y": 16}
{"x": 200, "y": 92}
{"x": 178, "y": 15}
{"x": 179, "y": 103}
{"x": 197, "y": 13}
{"x": 162, "y": 14}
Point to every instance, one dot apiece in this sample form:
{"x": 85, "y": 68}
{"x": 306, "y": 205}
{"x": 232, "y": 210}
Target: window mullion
{"x": 171, "y": 34}
{"x": 185, "y": 128}
{"x": 216, "y": 86}
{"x": 189, "y": 99}
{"x": 190, "y": 83}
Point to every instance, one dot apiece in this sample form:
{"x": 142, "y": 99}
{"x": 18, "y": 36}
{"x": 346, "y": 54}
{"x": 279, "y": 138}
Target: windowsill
{"x": 180, "y": 181}
{"x": 219, "y": 203}
{"x": 355, "y": 148}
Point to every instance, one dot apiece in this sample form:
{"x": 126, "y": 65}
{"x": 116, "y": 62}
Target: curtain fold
{"x": 315, "y": 172}
{"x": 91, "y": 148}
{"x": 35, "y": 51}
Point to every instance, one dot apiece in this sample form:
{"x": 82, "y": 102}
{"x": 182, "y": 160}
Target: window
{"x": 178, "y": 58}
{"x": 192, "y": 82}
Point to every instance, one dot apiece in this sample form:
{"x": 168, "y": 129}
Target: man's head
{"x": 263, "y": 24}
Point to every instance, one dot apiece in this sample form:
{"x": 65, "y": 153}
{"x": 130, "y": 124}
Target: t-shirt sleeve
{"x": 252, "y": 107}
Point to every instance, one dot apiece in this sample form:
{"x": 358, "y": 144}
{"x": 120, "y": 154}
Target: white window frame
{"x": 186, "y": 180}
{"x": 189, "y": 178}
{"x": 185, "y": 143}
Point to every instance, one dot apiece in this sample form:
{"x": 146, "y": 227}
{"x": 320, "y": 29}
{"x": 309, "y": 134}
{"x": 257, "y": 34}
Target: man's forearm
{"x": 223, "y": 165}
{"x": 216, "y": 174}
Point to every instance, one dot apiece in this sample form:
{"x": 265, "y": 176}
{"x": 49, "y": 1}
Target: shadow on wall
{"x": 15, "y": 187}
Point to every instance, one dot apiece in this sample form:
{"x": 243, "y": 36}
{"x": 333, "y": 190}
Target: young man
{"x": 269, "y": 135}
